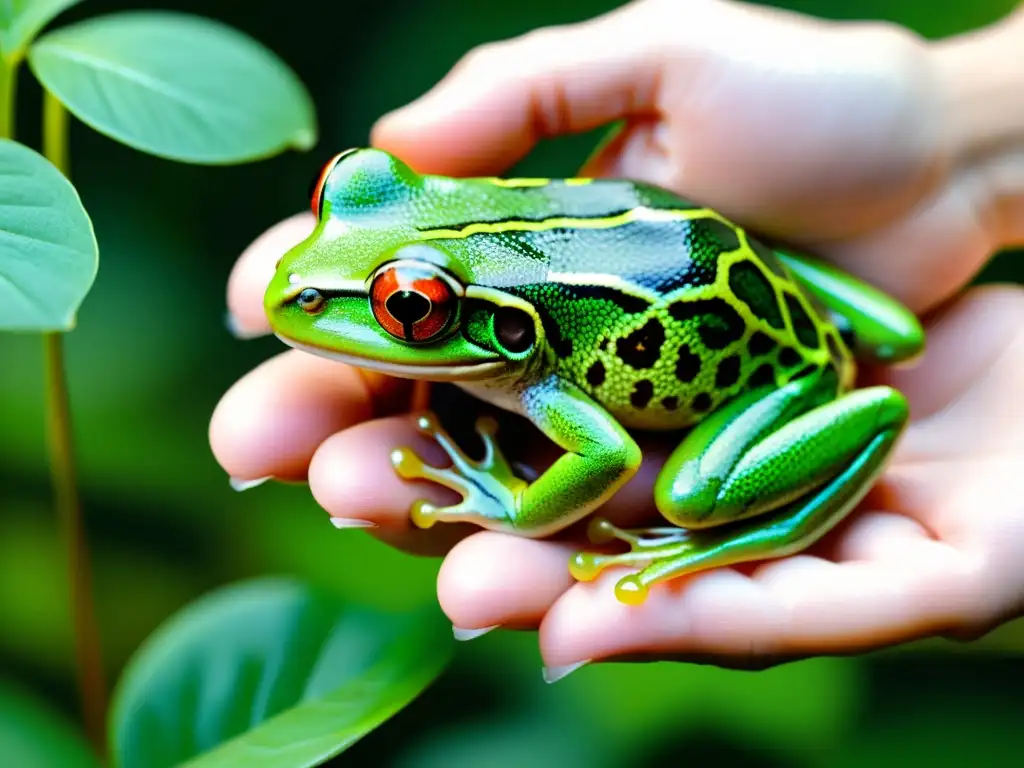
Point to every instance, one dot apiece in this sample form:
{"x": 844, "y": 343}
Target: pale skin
{"x": 900, "y": 159}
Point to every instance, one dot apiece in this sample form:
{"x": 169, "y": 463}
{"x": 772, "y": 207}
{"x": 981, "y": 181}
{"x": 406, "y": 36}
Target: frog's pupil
{"x": 408, "y": 307}
{"x": 513, "y": 329}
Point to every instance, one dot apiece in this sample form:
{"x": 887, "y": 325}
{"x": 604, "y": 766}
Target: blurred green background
{"x": 151, "y": 358}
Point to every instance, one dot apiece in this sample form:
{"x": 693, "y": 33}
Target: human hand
{"x": 846, "y": 139}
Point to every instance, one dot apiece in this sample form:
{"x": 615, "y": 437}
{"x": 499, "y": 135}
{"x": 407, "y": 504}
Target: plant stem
{"x": 89, "y": 660}
{"x": 8, "y": 90}
{"x": 55, "y": 133}
{"x": 88, "y": 655}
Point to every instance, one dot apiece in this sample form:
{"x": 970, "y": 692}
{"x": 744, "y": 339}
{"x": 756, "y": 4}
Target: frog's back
{"x": 661, "y": 310}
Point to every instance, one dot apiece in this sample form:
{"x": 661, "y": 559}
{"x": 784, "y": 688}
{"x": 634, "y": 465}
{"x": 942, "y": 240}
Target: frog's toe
{"x": 487, "y": 426}
{"x": 428, "y": 424}
{"x": 601, "y": 531}
{"x": 409, "y": 466}
{"x": 407, "y": 463}
{"x": 631, "y": 590}
{"x": 587, "y": 566}
{"x": 423, "y": 514}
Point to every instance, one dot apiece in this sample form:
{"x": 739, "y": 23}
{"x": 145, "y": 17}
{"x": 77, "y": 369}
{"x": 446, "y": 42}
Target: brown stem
{"x": 91, "y": 683}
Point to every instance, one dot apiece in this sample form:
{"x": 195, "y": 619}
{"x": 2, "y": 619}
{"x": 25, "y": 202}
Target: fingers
{"x": 904, "y": 585}
{"x": 965, "y": 391}
{"x": 352, "y": 478}
{"x": 925, "y": 257}
{"x": 255, "y": 268}
{"x": 495, "y": 579}
{"x": 271, "y": 422}
{"x": 502, "y": 98}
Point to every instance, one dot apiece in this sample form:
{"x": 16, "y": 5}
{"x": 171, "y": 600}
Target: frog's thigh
{"x": 600, "y": 456}
{"x": 688, "y": 491}
{"x": 819, "y": 466}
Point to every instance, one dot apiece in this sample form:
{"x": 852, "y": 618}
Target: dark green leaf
{"x": 270, "y": 673}
{"x": 48, "y": 252}
{"x": 34, "y": 736}
{"x": 21, "y": 20}
{"x": 177, "y": 86}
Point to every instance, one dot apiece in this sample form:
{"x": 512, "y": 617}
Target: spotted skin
{"x": 661, "y": 360}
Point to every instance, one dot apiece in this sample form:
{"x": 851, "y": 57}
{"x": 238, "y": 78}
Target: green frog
{"x": 594, "y": 307}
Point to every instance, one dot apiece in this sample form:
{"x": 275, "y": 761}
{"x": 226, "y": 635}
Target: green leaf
{"x": 48, "y": 251}
{"x": 177, "y": 86}
{"x": 32, "y": 735}
{"x": 21, "y": 20}
{"x": 270, "y": 673}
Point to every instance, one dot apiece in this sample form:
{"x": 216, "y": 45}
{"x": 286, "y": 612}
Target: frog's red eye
{"x": 316, "y": 186}
{"x": 413, "y": 301}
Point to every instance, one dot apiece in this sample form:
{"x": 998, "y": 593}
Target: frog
{"x": 600, "y": 309}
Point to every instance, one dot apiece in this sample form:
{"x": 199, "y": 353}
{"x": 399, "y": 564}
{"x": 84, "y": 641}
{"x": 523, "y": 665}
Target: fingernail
{"x": 240, "y": 484}
{"x": 554, "y": 674}
{"x": 351, "y": 522}
{"x": 235, "y": 328}
{"x": 463, "y": 635}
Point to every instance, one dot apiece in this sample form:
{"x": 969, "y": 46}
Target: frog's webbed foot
{"x": 601, "y": 531}
{"x": 647, "y": 548}
{"x": 489, "y": 487}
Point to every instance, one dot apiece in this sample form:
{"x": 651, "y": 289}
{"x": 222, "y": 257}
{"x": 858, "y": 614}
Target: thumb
{"x": 502, "y": 98}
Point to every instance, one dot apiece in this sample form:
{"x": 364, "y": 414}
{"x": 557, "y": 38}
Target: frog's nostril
{"x": 408, "y": 307}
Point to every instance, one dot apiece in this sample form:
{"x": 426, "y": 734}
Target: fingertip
{"x": 452, "y": 136}
{"x": 503, "y": 97}
{"x": 494, "y": 578}
{"x": 270, "y": 422}
{"x": 351, "y": 474}
{"x": 253, "y": 271}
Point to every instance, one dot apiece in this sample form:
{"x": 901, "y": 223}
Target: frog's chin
{"x": 485, "y": 369}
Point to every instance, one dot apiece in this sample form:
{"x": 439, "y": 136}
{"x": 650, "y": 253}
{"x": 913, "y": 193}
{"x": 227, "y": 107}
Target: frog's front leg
{"x": 600, "y": 457}
{"x": 760, "y": 487}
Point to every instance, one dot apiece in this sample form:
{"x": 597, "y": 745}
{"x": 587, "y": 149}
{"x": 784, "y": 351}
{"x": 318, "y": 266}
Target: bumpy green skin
{"x": 647, "y": 312}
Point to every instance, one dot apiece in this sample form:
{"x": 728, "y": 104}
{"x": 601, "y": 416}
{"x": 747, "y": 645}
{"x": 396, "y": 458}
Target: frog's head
{"x": 365, "y": 289}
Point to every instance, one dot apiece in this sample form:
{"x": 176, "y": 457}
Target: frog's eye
{"x": 316, "y": 186}
{"x": 310, "y": 301}
{"x": 414, "y": 302}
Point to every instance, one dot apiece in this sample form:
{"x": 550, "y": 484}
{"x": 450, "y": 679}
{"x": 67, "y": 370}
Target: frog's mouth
{"x": 485, "y": 369}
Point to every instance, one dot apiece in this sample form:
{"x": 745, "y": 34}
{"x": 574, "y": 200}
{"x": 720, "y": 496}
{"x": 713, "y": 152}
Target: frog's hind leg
{"x": 883, "y": 330}
{"x": 782, "y": 495}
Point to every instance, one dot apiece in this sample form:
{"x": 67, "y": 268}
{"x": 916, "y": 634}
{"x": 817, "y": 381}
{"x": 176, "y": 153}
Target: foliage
{"x": 48, "y": 251}
{"x": 274, "y": 673}
{"x": 270, "y": 673}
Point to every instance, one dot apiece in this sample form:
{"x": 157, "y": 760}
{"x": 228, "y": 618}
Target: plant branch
{"x": 88, "y": 655}
{"x": 8, "y": 90}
